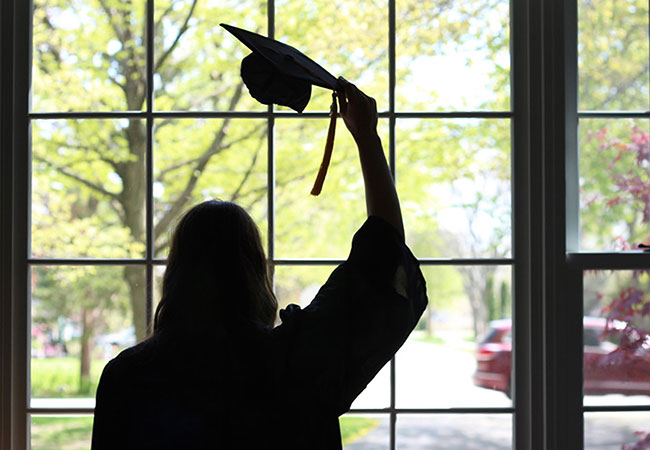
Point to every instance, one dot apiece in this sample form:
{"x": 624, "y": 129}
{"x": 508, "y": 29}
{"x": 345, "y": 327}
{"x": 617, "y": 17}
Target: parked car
{"x": 602, "y": 375}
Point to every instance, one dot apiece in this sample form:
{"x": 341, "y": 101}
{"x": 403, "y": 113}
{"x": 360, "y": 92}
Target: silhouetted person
{"x": 216, "y": 374}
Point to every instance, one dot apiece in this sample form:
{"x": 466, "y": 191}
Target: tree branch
{"x": 111, "y": 78}
{"x": 181, "y": 31}
{"x": 164, "y": 14}
{"x": 215, "y": 147}
{"x": 622, "y": 88}
{"x": 196, "y": 101}
{"x": 64, "y": 171}
{"x": 197, "y": 160}
{"x": 118, "y": 31}
{"x": 248, "y": 172}
{"x": 87, "y": 148}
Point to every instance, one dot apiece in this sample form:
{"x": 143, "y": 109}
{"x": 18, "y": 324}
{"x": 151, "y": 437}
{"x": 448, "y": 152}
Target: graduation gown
{"x": 269, "y": 388}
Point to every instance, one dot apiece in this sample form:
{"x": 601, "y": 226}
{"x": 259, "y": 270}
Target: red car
{"x": 628, "y": 376}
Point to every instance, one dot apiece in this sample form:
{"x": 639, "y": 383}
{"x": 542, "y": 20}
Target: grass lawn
{"x": 354, "y": 428}
{"x": 73, "y": 433}
{"x": 463, "y": 342}
{"x": 61, "y": 433}
{"x": 59, "y": 377}
{"x": 429, "y": 339}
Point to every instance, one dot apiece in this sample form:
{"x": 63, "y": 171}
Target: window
{"x": 137, "y": 111}
{"x": 611, "y": 271}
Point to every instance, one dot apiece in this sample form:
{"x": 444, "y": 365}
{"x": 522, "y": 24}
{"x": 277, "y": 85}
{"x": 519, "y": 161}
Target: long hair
{"x": 217, "y": 278}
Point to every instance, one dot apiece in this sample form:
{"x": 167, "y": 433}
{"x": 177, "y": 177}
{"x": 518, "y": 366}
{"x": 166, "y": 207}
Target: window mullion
{"x": 19, "y": 148}
{"x": 566, "y": 332}
{"x": 270, "y": 165}
{"x": 150, "y": 241}
{"x": 528, "y": 421}
{"x": 562, "y": 298}
{"x": 391, "y": 160}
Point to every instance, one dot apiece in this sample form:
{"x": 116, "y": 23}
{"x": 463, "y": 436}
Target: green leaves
{"x": 613, "y": 54}
{"x": 614, "y": 183}
{"x": 89, "y": 176}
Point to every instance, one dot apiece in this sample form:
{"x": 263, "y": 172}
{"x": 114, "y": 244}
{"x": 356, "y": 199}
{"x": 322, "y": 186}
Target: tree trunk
{"x": 479, "y": 314}
{"x": 87, "y": 333}
{"x": 133, "y": 203}
{"x": 428, "y": 315}
{"x": 475, "y": 280}
{"x": 135, "y": 277}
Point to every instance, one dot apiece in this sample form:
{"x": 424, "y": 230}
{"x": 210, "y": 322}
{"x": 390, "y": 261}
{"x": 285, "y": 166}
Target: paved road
{"x": 434, "y": 376}
{"x": 606, "y": 431}
{"x": 448, "y": 432}
{"x": 430, "y": 376}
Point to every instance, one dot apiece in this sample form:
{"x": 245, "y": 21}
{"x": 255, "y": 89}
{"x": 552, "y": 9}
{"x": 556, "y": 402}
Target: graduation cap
{"x": 278, "y": 73}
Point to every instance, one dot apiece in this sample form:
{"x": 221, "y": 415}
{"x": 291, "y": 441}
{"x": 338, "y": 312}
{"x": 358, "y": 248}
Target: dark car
{"x": 602, "y": 375}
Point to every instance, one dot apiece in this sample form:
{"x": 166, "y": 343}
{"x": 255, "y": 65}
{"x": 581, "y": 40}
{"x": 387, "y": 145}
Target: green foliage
{"x": 89, "y": 192}
{"x": 59, "y": 377}
{"x": 613, "y": 68}
{"x": 354, "y": 428}
{"x": 497, "y": 298}
{"x": 444, "y": 288}
{"x": 613, "y": 54}
{"x": 88, "y": 176}
{"x": 87, "y": 300}
{"x": 73, "y": 433}
{"x": 612, "y": 212}
{"x": 64, "y": 290}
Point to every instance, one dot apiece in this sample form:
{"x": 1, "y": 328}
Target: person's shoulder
{"x": 133, "y": 358}
{"x": 379, "y": 228}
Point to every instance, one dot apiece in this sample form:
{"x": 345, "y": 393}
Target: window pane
{"x": 365, "y": 432}
{"x": 614, "y": 183}
{"x": 459, "y": 355}
{"x": 61, "y": 432}
{"x": 88, "y": 56}
{"x": 613, "y": 54}
{"x": 158, "y": 274}
{"x": 323, "y": 226}
{"x": 453, "y": 178}
{"x": 88, "y": 195}
{"x": 616, "y": 430}
{"x": 616, "y": 334}
{"x": 453, "y": 55}
{"x": 454, "y": 431}
{"x": 299, "y": 285}
{"x": 204, "y": 159}
{"x": 346, "y": 37}
{"x": 81, "y": 317}
{"x": 196, "y": 62}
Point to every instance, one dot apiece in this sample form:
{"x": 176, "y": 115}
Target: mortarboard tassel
{"x": 329, "y": 145}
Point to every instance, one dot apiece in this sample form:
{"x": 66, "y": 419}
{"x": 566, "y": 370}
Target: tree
{"x": 613, "y": 55}
{"x": 628, "y": 200}
{"x": 90, "y": 56}
{"x": 613, "y": 66}
{"x": 82, "y": 294}
{"x": 615, "y": 195}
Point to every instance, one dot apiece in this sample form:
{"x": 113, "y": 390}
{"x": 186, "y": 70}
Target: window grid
{"x": 585, "y": 261}
{"x": 276, "y": 262}
{"x": 578, "y": 261}
{"x": 270, "y": 115}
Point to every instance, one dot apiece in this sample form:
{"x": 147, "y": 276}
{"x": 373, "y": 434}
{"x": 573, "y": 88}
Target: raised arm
{"x": 359, "y": 113}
